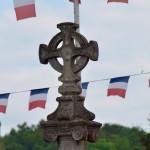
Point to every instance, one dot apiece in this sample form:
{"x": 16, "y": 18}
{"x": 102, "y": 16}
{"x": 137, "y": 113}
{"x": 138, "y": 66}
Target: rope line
{"x": 138, "y": 74}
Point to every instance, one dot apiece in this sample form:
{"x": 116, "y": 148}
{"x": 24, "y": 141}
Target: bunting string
{"x": 117, "y": 87}
{"x": 137, "y": 74}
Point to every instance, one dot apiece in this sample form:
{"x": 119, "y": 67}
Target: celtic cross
{"x": 70, "y": 117}
{"x": 68, "y": 52}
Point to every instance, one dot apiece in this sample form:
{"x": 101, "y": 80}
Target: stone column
{"x": 71, "y": 124}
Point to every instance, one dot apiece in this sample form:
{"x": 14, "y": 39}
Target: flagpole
{"x": 81, "y": 144}
{"x": 77, "y": 21}
{"x": 76, "y": 14}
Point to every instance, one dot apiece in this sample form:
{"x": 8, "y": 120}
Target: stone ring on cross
{"x": 63, "y": 46}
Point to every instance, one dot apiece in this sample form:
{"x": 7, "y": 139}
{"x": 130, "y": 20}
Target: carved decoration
{"x": 93, "y": 134}
{"x": 79, "y": 133}
{"x": 50, "y": 135}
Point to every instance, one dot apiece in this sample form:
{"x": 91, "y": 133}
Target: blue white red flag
{"x": 84, "y": 89}
{"x": 3, "y": 102}
{"x": 38, "y": 98}
{"x": 24, "y": 9}
{"x": 118, "y": 86}
{"x": 122, "y": 1}
{"x": 79, "y": 1}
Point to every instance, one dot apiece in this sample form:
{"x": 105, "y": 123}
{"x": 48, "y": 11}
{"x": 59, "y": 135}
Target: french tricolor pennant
{"x": 118, "y": 86}
{"x": 79, "y": 1}
{"x": 3, "y": 102}
{"x": 38, "y": 98}
{"x": 84, "y": 90}
{"x": 122, "y": 1}
{"x": 24, "y": 9}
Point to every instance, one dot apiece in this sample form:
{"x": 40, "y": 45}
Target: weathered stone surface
{"x": 71, "y": 123}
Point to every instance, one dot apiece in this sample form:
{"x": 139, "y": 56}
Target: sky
{"x": 123, "y": 35}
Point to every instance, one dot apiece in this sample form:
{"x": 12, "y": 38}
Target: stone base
{"x": 69, "y": 133}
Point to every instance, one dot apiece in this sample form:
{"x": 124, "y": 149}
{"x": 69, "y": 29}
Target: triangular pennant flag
{"x": 24, "y": 9}
{"x": 122, "y": 1}
{"x": 38, "y": 98}
{"x": 4, "y": 102}
{"x": 118, "y": 86}
{"x": 79, "y": 1}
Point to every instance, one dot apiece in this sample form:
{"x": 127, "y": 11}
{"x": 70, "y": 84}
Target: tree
{"x": 27, "y": 138}
{"x": 145, "y": 139}
{"x": 113, "y": 137}
{"x": 1, "y": 144}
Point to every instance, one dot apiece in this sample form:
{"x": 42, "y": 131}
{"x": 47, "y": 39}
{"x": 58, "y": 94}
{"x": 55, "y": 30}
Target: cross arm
{"x": 91, "y": 51}
{"x": 45, "y": 53}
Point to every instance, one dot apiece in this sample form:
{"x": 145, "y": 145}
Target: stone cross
{"x": 71, "y": 123}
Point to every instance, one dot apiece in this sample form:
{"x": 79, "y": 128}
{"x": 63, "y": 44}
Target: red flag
{"x": 38, "y": 98}
{"x": 118, "y": 86}
{"x": 24, "y": 9}
{"x": 3, "y": 102}
{"x": 79, "y": 1}
{"x": 84, "y": 90}
{"x": 149, "y": 82}
{"x": 122, "y": 1}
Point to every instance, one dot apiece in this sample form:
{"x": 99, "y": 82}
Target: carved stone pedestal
{"x": 69, "y": 134}
{"x": 71, "y": 123}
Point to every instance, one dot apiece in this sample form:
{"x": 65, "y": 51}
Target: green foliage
{"x": 117, "y": 137}
{"x": 1, "y": 144}
{"x": 26, "y": 138}
{"x": 112, "y": 137}
{"x": 145, "y": 139}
